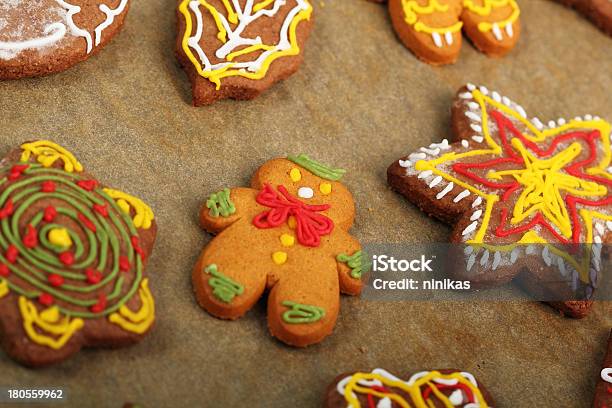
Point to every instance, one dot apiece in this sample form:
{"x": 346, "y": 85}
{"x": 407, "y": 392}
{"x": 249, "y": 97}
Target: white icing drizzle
{"x": 473, "y": 116}
{"x": 471, "y": 261}
{"x": 235, "y": 38}
{"x": 446, "y": 190}
{"x": 496, "y": 260}
{"x": 425, "y": 174}
{"x": 538, "y": 123}
{"x": 461, "y": 196}
{"x": 485, "y": 258}
{"x": 405, "y": 163}
{"x": 465, "y": 143}
{"x": 514, "y": 255}
{"x": 435, "y": 181}
{"x": 478, "y": 139}
{"x": 470, "y": 228}
{"x": 477, "y": 202}
{"x": 110, "y": 17}
{"x": 52, "y": 34}
{"x": 476, "y": 215}
{"x": 476, "y": 128}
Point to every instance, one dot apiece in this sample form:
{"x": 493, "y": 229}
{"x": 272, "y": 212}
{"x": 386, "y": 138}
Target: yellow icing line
{"x": 59, "y": 329}
{"x": 413, "y": 390}
{"x": 4, "y": 288}
{"x": 144, "y": 215}
{"x": 247, "y": 50}
{"x": 262, "y": 4}
{"x": 47, "y": 153}
{"x": 215, "y": 76}
{"x": 232, "y": 17}
{"x": 412, "y": 9}
{"x": 487, "y": 8}
{"x": 140, "y": 321}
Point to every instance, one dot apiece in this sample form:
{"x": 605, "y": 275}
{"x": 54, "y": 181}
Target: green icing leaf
{"x": 299, "y": 313}
{"x": 220, "y": 204}
{"x": 356, "y": 263}
{"x": 224, "y": 288}
{"x": 317, "y": 168}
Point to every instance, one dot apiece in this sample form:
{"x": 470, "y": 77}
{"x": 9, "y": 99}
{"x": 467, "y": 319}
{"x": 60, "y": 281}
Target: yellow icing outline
{"x": 49, "y": 321}
{"x": 488, "y": 7}
{"x": 535, "y": 136}
{"x": 140, "y": 321}
{"x": 412, "y": 9}
{"x": 215, "y": 76}
{"x": 47, "y": 153}
{"x": 4, "y": 288}
{"x": 413, "y": 390}
{"x": 144, "y": 215}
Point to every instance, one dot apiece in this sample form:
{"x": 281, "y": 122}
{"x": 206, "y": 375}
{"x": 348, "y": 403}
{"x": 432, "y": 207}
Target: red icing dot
{"x": 101, "y": 209}
{"x": 30, "y": 240}
{"x": 47, "y": 186}
{"x": 87, "y": 222}
{"x": 7, "y": 210}
{"x": 17, "y": 170}
{"x": 4, "y": 270}
{"x": 609, "y": 389}
{"x": 11, "y": 253}
{"x": 101, "y": 305}
{"x": 67, "y": 258}
{"x": 88, "y": 185}
{"x": 93, "y": 276}
{"x": 50, "y": 213}
{"x": 136, "y": 244}
{"x": 124, "y": 263}
{"x": 46, "y": 299}
{"x": 55, "y": 280}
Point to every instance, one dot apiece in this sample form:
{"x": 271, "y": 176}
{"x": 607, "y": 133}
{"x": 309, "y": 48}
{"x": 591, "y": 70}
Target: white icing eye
{"x": 305, "y": 192}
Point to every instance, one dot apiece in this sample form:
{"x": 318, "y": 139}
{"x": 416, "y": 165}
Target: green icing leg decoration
{"x": 224, "y": 288}
{"x": 317, "y": 168}
{"x": 356, "y": 263}
{"x": 299, "y": 313}
{"x": 221, "y": 204}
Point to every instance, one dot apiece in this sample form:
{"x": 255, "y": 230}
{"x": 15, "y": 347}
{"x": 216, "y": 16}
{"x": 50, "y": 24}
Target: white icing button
{"x": 305, "y": 192}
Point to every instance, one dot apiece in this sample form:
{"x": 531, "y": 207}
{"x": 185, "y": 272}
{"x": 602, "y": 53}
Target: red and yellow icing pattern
{"x": 422, "y": 389}
{"x": 61, "y": 279}
{"x": 238, "y": 55}
{"x": 553, "y": 179}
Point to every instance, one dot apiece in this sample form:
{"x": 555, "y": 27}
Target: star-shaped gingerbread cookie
{"x": 527, "y": 199}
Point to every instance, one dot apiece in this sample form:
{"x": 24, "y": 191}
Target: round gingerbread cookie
{"x": 239, "y": 48}
{"x": 427, "y": 389}
{"x": 72, "y": 258}
{"x": 47, "y": 36}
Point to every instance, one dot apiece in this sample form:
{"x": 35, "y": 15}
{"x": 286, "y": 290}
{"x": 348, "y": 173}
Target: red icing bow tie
{"x": 311, "y": 226}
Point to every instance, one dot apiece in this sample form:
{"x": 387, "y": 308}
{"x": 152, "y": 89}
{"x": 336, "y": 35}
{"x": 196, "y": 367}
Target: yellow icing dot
{"x": 279, "y": 257}
{"x": 50, "y": 315}
{"x": 4, "y": 288}
{"x": 292, "y": 222}
{"x": 287, "y": 240}
{"x": 123, "y": 205}
{"x": 295, "y": 174}
{"x": 60, "y": 237}
{"x": 325, "y": 188}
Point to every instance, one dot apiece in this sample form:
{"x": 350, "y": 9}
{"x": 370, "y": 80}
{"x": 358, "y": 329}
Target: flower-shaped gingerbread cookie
{"x": 287, "y": 233}
{"x": 72, "y": 258}
{"x": 432, "y": 28}
{"x": 527, "y": 198}
{"x": 379, "y": 388}
{"x": 239, "y": 48}
{"x": 48, "y": 36}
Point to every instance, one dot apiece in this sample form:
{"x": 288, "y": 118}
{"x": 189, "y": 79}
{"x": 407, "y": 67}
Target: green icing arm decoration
{"x": 355, "y": 262}
{"x": 317, "y": 168}
{"x": 224, "y": 288}
{"x": 221, "y": 204}
{"x": 299, "y": 313}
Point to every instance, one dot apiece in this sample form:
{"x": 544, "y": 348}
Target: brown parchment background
{"x": 360, "y": 101}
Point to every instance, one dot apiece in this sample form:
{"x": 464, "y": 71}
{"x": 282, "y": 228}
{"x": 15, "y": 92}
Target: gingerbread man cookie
{"x": 47, "y": 36}
{"x": 603, "y": 392}
{"x": 239, "y": 48}
{"x": 598, "y": 11}
{"x": 427, "y": 389}
{"x": 527, "y": 199}
{"x": 287, "y": 233}
{"x": 432, "y": 28}
{"x": 72, "y": 258}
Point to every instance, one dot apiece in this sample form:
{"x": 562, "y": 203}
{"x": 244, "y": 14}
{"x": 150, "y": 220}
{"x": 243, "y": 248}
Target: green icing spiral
{"x": 99, "y": 250}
